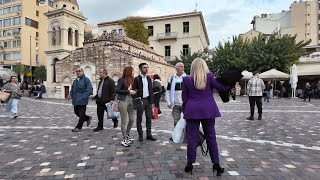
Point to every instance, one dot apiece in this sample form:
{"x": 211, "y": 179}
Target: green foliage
{"x": 134, "y": 29}
{"x": 40, "y": 73}
{"x": 188, "y": 58}
{"x": 20, "y": 69}
{"x": 88, "y": 36}
{"x": 259, "y": 54}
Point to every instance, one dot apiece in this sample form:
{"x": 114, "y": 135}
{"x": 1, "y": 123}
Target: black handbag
{"x": 137, "y": 103}
{"x": 201, "y": 139}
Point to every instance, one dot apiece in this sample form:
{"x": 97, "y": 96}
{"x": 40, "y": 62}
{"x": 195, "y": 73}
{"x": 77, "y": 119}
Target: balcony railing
{"x": 164, "y": 36}
{"x": 169, "y": 58}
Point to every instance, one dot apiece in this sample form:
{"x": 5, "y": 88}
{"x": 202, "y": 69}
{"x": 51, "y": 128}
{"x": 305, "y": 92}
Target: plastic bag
{"x": 178, "y": 132}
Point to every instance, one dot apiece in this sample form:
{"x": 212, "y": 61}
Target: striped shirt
{"x": 255, "y": 86}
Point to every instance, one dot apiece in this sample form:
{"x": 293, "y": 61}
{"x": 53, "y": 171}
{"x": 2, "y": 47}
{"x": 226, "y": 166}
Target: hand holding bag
{"x": 178, "y": 132}
{"x": 4, "y": 96}
{"x": 111, "y": 114}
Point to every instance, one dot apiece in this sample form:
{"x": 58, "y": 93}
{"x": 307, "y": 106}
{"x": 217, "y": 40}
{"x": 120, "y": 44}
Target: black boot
{"x": 250, "y": 118}
{"x": 188, "y": 168}
{"x": 140, "y": 138}
{"x": 218, "y": 168}
{"x": 260, "y": 117}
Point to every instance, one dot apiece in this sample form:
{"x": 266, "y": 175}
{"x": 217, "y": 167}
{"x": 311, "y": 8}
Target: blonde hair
{"x": 199, "y": 70}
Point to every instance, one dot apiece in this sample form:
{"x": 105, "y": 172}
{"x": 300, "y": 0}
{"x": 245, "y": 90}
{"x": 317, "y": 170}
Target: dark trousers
{"x": 255, "y": 100}
{"x": 101, "y": 107}
{"x": 80, "y": 111}
{"x": 307, "y": 96}
{"x": 209, "y": 134}
{"x": 147, "y": 107}
{"x": 157, "y": 98}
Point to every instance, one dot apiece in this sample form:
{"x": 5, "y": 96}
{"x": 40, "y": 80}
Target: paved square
{"x": 40, "y": 145}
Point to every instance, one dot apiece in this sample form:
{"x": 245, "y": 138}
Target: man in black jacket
{"x": 106, "y": 92}
{"x": 143, "y": 86}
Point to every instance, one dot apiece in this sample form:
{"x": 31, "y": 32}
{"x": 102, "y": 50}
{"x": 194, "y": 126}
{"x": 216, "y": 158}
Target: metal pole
{"x": 30, "y": 68}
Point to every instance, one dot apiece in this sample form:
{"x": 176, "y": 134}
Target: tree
{"x": 88, "y": 36}
{"x": 21, "y": 70}
{"x": 40, "y": 73}
{"x": 259, "y": 53}
{"x": 188, "y": 58}
{"x": 134, "y": 29}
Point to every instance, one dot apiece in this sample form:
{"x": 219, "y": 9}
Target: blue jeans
{"x": 12, "y": 106}
{"x": 268, "y": 96}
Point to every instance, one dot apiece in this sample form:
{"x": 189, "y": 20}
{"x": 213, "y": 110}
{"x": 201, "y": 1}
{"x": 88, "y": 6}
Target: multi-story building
{"x": 302, "y": 19}
{"x": 169, "y": 35}
{"x": 23, "y": 32}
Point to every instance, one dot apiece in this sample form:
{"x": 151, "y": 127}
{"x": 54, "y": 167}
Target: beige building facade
{"x": 169, "y": 35}
{"x": 302, "y": 20}
{"x": 252, "y": 34}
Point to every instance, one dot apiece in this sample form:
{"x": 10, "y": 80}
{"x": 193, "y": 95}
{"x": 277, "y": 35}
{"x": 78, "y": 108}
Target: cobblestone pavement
{"x": 40, "y": 145}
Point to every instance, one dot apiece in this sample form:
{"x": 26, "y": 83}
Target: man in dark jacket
{"x": 80, "y": 91}
{"x": 143, "y": 85}
{"x": 106, "y": 92}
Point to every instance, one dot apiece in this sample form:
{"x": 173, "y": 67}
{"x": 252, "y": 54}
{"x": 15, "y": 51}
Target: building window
{"x": 50, "y": 3}
{"x": 70, "y": 39}
{"x": 185, "y": 27}
{"x": 37, "y": 13}
{"x": 168, "y": 28}
{"x": 7, "y": 10}
{"x": 64, "y": 6}
{"x": 16, "y": 8}
{"x": 16, "y": 43}
{"x": 54, "y": 61}
{"x": 1, "y": 11}
{"x": 37, "y": 58}
{"x": 37, "y": 34}
{"x": 16, "y": 31}
{"x": 54, "y": 36}
{"x": 151, "y": 47}
{"x": 32, "y": 23}
{"x": 0, "y": 23}
{"x": 7, "y": 44}
{"x": 114, "y": 31}
{"x": 16, "y": 21}
{"x": 120, "y": 31}
{"x": 76, "y": 37}
{"x": 167, "y": 51}
{"x": 185, "y": 49}
{"x": 6, "y": 22}
{"x": 7, "y": 32}
{"x": 150, "y": 30}
{"x": 6, "y": 1}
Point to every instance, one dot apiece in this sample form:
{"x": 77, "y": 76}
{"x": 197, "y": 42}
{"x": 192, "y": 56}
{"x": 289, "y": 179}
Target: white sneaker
{"x": 125, "y": 143}
{"x": 129, "y": 139}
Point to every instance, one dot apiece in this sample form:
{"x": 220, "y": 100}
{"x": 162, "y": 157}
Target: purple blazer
{"x": 200, "y": 104}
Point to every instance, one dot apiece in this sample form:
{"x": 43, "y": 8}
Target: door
{"x": 66, "y": 92}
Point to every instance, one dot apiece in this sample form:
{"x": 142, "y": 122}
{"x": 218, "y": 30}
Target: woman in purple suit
{"x": 200, "y": 106}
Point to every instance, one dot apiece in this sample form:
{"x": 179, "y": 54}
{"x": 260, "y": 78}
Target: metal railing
{"x": 171, "y": 35}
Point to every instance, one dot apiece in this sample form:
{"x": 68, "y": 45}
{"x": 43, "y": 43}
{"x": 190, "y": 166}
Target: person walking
{"x": 80, "y": 91}
{"x": 157, "y": 92}
{"x": 106, "y": 92}
{"x": 255, "y": 88}
{"x": 12, "y": 103}
{"x": 174, "y": 92}
{"x": 307, "y": 92}
{"x": 268, "y": 90}
{"x": 318, "y": 89}
{"x": 143, "y": 86}
{"x": 125, "y": 91}
{"x": 199, "y": 106}
{"x": 1, "y": 85}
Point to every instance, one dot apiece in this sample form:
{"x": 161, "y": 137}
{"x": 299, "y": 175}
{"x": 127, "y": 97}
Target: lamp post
{"x": 30, "y": 67}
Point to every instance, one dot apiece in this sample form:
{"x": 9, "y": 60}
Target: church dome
{"x": 75, "y": 2}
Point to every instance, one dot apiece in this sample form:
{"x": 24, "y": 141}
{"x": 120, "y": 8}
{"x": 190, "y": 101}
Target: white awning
{"x": 274, "y": 75}
{"x": 311, "y": 69}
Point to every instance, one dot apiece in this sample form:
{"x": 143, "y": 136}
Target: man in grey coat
{"x": 80, "y": 91}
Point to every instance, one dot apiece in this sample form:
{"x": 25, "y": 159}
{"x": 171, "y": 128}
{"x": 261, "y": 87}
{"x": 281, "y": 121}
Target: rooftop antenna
{"x": 196, "y": 7}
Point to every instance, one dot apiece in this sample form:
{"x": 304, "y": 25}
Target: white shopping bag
{"x": 111, "y": 114}
{"x": 178, "y": 132}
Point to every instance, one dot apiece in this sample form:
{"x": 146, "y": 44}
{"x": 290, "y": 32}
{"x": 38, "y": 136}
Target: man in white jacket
{"x": 174, "y": 92}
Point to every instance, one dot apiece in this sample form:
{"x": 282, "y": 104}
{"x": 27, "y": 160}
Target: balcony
{"x": 167, "y": 36}
{"x": 169, "y": 58}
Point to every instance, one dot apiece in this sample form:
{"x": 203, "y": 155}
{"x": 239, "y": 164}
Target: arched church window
{"x": 54, "y": 36}
{"x": 70, "y": 39}
{"x": 64, "y": 5}
{"x": 54, "y": 75}
{"x": 58, "y": 34}
{"x": 76, "y": 37}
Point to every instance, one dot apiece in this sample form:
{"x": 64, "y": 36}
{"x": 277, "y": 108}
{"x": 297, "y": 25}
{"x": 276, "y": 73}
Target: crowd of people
{"x": 188, "y": 96}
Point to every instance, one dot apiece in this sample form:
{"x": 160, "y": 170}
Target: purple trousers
{"x": 209, "y": 134}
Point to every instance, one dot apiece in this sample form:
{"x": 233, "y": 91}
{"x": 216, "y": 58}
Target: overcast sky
{"x": 224, "y": 18}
